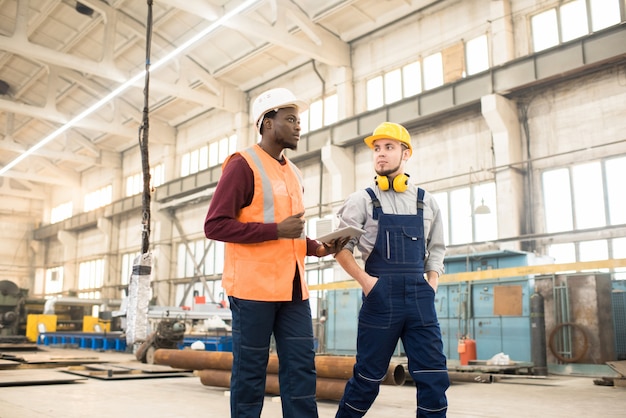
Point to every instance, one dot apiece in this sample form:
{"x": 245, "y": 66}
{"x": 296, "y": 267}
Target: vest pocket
{"x": 402, "y": 244}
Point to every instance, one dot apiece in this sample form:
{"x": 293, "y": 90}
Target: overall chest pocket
{"x": 403, "y": 245}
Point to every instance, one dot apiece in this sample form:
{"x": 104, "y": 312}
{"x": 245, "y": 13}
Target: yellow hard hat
{"x": 390, "y": 130}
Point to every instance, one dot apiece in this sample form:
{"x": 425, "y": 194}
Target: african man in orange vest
{"x": 258, "y": 211}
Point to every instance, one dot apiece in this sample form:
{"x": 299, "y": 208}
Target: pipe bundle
{"x": 213, "y": 368}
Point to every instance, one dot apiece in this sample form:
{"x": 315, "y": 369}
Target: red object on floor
{"x": 467, "y": 351}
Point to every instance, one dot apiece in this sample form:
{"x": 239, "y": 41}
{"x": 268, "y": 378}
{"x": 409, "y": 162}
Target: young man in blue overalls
{"x": 403, "y": 249}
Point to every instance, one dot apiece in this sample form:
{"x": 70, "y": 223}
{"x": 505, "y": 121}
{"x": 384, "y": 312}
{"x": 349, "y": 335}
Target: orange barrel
{"x": 467, "y": 351}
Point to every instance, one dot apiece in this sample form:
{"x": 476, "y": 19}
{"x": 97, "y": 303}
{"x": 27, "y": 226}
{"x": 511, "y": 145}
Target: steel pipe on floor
{"x": 327, "y": 389}
{"x": 332, "y": 367}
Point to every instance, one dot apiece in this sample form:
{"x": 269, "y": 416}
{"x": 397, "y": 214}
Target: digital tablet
{"x": 348, "y": 231}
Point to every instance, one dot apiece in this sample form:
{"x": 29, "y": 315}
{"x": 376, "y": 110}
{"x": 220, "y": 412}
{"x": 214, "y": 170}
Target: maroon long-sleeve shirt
{"x": 234, "y": 191}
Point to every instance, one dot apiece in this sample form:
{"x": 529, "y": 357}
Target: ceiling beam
{"x": 59, "y": 179}
{"x": 195, "y": 7}
{"x": 320, "y": 44}
{"x": 60, "y": 118}
{"x": 17, "y": 148}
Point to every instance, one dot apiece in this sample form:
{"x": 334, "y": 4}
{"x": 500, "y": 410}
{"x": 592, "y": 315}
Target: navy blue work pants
{"x": 253, "y": 324}
{"x": 399, "y": 307}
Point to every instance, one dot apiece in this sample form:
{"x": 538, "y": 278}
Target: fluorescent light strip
{"x": 128, "y": 83}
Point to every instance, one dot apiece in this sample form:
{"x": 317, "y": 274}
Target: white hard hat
{"x": 274, "y": 99}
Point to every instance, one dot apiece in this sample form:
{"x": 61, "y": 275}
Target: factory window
{"x": 316, "y": 112}
{"x": 439, "y": 68}
{"x": 442, "y": 201}
{"x": 54, "y": 281}
{"x": 585, "y": 196}
{"x": 412, "y": 79}
{"x": 322, "y": 112}
{"x": 318, "y": 277}
{"x": 98, "y": 198}
{"x": 588, "y": 194}
{"x": 557, "y": 201}
{"x": 207, "y": 156}
{"x": 572, "y": 20}
{"x": 594, "y": 250}
{"x": 199, "y": 258}
{"x": 134, "y": 183}
{"x": 615, "y": 174}
{"x": 186, "y": 294}
{"x": 469, "y": 213}
{"x": 563, "y": 253}
{"x": 394, "y": 85}
{"x": 61, "y": 212}
{"x": 222, "y": 148}
{"x": 194, "y": 161}
{"x": 433, "y": 71}
{"x": 207, "y": 255}
{"x": 604, "y": 13}
{"x": 128, "y": 261}
{"x": 331, "y": 109}
{"x": 90, "y": 278}
{"x": 618, "y": 247}
{"x": 477, "y": 55}
{"x": 375, "y": 93}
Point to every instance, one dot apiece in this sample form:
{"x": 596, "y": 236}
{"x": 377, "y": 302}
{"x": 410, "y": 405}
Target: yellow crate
{"x": 90, "y": 322}
{"x": 36, "y": 323}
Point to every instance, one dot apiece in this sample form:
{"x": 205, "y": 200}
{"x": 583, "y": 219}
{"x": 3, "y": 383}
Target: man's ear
{"x": 267, "y": 123}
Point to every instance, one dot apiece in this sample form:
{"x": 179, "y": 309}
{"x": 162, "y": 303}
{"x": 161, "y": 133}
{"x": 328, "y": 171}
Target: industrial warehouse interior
{"x": 116, "y": 117}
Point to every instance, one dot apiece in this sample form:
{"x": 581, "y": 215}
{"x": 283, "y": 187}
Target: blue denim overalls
{"x": 400, "y": 306}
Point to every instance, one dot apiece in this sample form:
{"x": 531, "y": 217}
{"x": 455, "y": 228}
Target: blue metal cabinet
{"x": 450, "y": 335}
{"x": 471, "y": 306}
{"x": 341, "y": 326}
{"x": 442, "y": 302}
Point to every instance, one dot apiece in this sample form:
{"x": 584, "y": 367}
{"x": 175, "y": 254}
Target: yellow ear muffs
{"x": 400, "y": 183}
{"x": 382, "y": 182}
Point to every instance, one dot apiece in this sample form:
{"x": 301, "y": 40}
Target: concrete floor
{"x": 554, "y": 396}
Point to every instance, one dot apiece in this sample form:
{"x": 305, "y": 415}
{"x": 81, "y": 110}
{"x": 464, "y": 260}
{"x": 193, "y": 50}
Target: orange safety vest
{"x": 265, "y": 271}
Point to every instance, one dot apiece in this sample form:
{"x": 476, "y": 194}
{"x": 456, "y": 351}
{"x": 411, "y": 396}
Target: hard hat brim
{"x": 369, "y": 141}
{"x": 298, "y": 104}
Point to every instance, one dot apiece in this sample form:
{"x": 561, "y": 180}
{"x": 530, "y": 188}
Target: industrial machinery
{"x": 12, "y": 300}
{"x": 169, "y": 333}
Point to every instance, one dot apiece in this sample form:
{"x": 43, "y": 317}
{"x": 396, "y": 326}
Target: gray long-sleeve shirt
{"x": 357, "y": 211}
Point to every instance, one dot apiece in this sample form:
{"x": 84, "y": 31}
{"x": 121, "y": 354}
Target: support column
{"x": 340, "y": 165}
{"x": 345, "y": 92}
{"x": 502, "y": 42}
{"x": 501, "y": 116}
